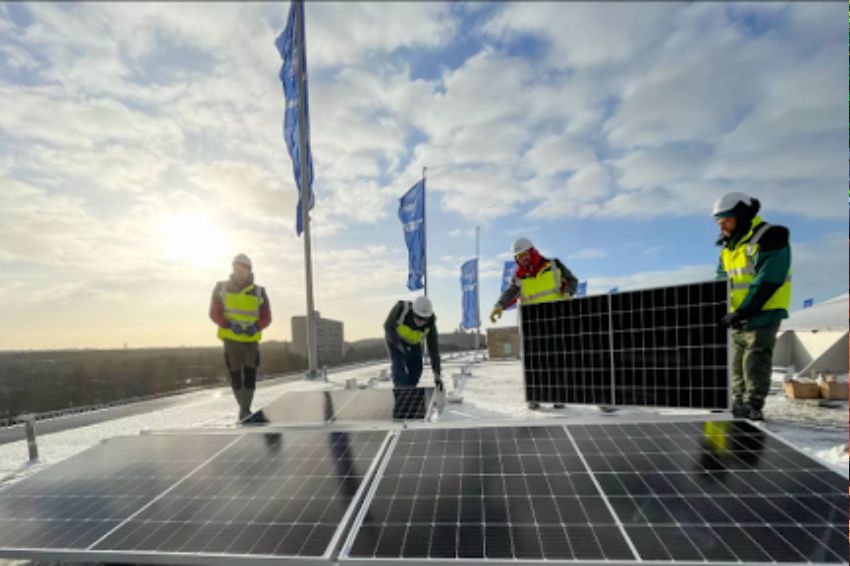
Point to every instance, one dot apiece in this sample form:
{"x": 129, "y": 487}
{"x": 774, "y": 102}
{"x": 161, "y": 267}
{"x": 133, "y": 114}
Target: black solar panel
{"x": 399, "y": 404}
{"x": 708, "y": 492}
{"x": 324, "y": 407}
{"x": 303, "y": 407}
{"x": 255, "y": 495}
{"x": 495, "y": 493}
{"x": 73, "y": 504}
{"x": 655, "y": 347}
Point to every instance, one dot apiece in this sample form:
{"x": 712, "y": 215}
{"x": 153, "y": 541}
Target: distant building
{"x": 329, "y": 339}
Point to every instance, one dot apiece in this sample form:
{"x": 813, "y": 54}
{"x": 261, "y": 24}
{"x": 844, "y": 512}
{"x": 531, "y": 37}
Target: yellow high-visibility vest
{"x": 740, "y": 266}
{"x": 545, "y": 287}
{"x": 241, "y": 308}
{"x": 406, "y": 332}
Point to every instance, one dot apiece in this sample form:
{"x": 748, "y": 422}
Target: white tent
{"x": 815, "y": 339}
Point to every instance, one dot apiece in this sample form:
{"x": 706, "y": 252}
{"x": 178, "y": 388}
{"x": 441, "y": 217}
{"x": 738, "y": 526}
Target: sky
{"x": 141, "y": 148}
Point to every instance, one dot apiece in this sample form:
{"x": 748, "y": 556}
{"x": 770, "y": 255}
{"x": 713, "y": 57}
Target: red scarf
{"x": 538, "y": 262}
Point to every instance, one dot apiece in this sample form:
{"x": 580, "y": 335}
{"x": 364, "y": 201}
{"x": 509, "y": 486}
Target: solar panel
{"x": 691, "y": 492}
{"x": 254, "y": 496}
{"x": 653, "y": 347}
{"x": 340, "y": 405}
{"x": 302, "y": 407}
{"x": 717, "y": 492}
{"x": 487, "y": 493}
{"x": 398, "y": 404}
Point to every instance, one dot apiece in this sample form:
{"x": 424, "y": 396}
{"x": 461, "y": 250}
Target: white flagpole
{"x": 312, "y": 361}
{"x": 425, "y": 228}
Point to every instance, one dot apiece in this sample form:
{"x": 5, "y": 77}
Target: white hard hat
{"x": 422, "y": 307}
{"x": 243, "y": 259}
{"x": 725, "y": 204}
{"x": 522, "y": 245}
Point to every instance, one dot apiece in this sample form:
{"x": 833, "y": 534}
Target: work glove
{"x": 496, "y": 314}
{"x": 732, "y": 320}
{"x": 236, "y": 328}
{"x": 438, "y": 382}
{"x": 251, "y": 330}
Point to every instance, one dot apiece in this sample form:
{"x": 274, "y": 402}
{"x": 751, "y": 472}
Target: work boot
{"x": 533, "y": 405}
{"x": 755, "y": 414}
{"x": 608, "y": 409}
{"x": 740, "y": 410}
{"x": 245, "y": 398}
{"x": 558, "y": 405}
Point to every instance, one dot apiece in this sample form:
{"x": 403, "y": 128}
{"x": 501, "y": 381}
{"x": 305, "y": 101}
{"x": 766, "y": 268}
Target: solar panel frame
{"x": 91, "y": 553}
{"x": 579, "y": 359}
{"x": 346, "y": 558}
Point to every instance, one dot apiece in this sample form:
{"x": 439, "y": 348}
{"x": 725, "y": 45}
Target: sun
{"x": 191, "y": 239}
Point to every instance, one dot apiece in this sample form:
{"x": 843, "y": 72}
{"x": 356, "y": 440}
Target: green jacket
{"x": 772, "y": 263}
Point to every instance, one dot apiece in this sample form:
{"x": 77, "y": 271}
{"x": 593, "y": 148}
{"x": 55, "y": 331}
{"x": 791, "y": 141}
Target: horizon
{"x": 144, "y": 149}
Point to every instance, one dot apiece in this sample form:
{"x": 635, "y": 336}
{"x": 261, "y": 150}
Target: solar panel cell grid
{"x": 655, "y": 347}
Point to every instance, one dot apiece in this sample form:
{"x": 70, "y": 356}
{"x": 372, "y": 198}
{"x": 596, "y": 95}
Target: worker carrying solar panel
{"x": 756, "y": 258}
{"x": 407, "y": 326}
{"x": 537, "y": 280}
{"x": 241, "y": 310}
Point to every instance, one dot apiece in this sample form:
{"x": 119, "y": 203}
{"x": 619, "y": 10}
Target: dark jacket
{"x": 569, "y": 282}
{"x": 217, "y": 306}
{"x": 772, "y": 263}
{"x": 395, "y": 341}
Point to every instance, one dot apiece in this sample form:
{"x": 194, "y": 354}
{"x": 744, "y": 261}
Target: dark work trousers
{"x": 406, "y": 365}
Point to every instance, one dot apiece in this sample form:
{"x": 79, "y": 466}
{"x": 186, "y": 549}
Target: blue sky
{"x": 142, "y": 148}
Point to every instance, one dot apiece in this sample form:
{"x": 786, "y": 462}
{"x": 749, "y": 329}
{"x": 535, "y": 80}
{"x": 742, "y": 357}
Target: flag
{"x": 411, "y": 212}
{"x": 581, "y": 289}
{"x": 507, "y": 276}
{"x": 808, "y": 303}
{"x": 286, "y": 46}
{"x": 613, "y": 290}
{"x": 469, "y": 287}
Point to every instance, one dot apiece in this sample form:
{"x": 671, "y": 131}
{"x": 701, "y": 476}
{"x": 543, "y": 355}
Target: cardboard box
{"x": 834, "y": 390}
{"x": 802, "y": 390}
{"x": 503, "y": 343}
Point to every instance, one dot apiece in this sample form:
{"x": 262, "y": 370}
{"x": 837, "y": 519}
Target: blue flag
{"x": 581, "y": 289}
{"x": 808, "y": 303}
{"x": 507, "y": 276}
{"x": 469, "y": 286}
{"x": 286, "y": 46}
{"x": 411, "y": 212}
{"x": 613, "y": 290}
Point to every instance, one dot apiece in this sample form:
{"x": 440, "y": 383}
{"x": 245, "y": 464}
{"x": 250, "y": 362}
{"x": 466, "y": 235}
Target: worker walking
{"x": 407, "y": 326}
{"x": 242, "y": 311}
{"x": 537, "y": 280}
{"x": 756, "y": 258}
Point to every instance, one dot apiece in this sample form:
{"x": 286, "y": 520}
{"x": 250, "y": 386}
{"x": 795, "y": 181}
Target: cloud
{"x": 588, "y": 253}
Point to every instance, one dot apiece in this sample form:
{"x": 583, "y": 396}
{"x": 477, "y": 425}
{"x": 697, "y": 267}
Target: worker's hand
{"x": 732, "y": 320}
{"x": 496, "y": 314}
{"x": 236, "y": 328}
{"x": 251, "y": 330}
{"x": 438, "y": 382}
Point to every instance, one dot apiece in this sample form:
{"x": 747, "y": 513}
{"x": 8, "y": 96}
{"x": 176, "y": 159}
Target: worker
{"x": 756, "y": 258}
{"x": 537, "y": 280}
{"x": 241, "y": 309}
{"x": 407, "y": 326}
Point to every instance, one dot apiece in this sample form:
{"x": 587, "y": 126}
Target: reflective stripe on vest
{"x": 545, "y": 287}
{"x": 407, "y": 333}
{"x": 739, "y": 265}
{"x": 241, "y": 309}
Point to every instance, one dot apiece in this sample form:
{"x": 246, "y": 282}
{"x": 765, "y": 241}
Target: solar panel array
{"x": 692, "y": 492}
{"x": 654, "y": 347}
{"x": 194, "y": 496}
{"x": 344, "y": 405}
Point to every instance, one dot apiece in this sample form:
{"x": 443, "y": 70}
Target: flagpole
{"x": 477, "y": 292}
{"x": 425, "y": 228}
{"x": 312, "y": 362}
